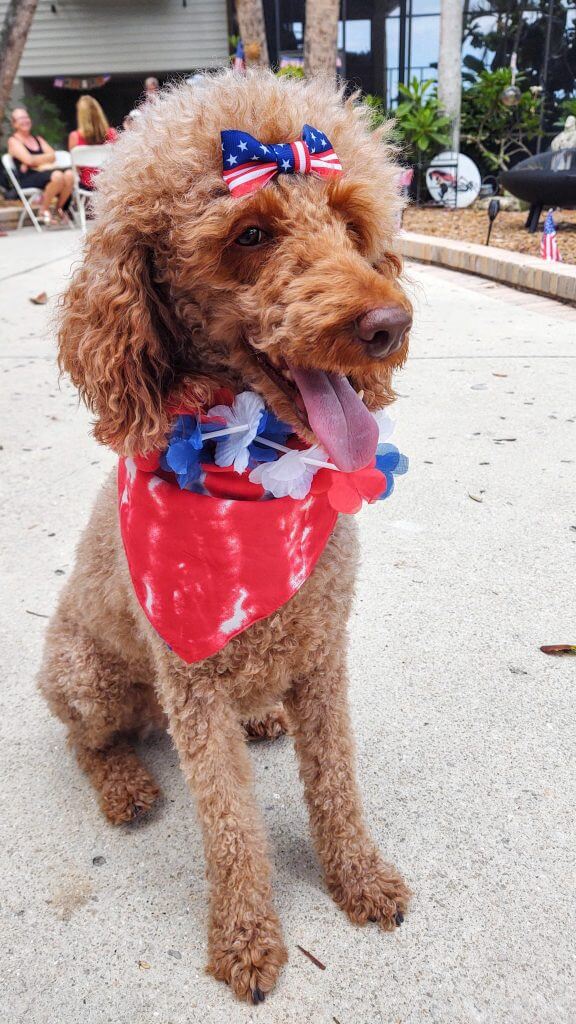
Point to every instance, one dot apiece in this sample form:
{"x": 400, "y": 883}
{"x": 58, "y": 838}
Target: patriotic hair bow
{"x": 249, "y": 165}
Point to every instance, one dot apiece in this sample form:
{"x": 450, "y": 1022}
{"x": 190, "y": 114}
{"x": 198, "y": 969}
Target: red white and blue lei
{"x": 247, "y": 438}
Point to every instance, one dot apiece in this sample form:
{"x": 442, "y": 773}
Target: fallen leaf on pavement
{"x": 144, "y": 965}
{"x": 475, "y": 498}
{"x": 311, "y": 957}
{"x": 40, "y": 300}
{"x": 559, "y": 650}
{"x": 499, "y": 374}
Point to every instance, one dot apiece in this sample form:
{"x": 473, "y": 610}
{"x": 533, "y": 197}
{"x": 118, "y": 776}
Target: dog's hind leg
{"x": 90, "y": 690}
{"x": 360, "y": 881}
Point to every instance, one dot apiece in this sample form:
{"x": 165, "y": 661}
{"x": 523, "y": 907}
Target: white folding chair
{"x": 86, "y": 156}
{"x": 63, "y": 160}
{"x": 25, "y": 195}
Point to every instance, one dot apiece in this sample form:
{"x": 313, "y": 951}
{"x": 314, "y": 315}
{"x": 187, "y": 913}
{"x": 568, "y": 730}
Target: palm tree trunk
{"x": 17, "y": 22}
{"x": 321, "y": 37}
{"x": 250, "y": 15}
{"x": 450, "y": 64}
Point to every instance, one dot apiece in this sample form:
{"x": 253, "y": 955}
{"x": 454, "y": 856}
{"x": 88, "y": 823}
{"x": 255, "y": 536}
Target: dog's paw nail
{"x": 399, "y": 917}
{"x": 257, "y": 996}
{"x": 373, "y": 919}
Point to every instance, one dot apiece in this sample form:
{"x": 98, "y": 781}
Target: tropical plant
{"x": 541, "y": 32}
{"x": 378, "y": 113}
{"x": 566, "y": 109}
{"x": 291, "y": 71}
{"x": 423, "y": 127}
{"x": 498, "y": 134}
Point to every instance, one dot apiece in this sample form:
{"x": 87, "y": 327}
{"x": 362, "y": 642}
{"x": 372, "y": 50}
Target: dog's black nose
{"x": 382, "y": 330}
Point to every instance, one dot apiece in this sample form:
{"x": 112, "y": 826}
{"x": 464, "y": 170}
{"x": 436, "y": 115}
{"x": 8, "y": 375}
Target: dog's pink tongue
{"x": 340, "y": 420}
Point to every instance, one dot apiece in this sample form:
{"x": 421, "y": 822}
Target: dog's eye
{"x": 354, "y": 233}
{"x": 251, "y": 236}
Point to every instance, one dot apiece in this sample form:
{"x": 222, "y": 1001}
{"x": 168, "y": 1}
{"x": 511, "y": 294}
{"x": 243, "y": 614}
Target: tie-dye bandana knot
{"x": 225, "y": 525}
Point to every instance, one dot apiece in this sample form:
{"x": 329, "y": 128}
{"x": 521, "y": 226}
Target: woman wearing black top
{"x": 34, "y": 165}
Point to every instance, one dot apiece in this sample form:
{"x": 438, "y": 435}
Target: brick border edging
{"x": 528, "y": 273}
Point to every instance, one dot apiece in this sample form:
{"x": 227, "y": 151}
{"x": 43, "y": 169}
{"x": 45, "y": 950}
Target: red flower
{"x": 347, "y": 491}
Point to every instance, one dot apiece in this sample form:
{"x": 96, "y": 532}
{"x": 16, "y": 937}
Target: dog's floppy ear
{"x": 115, "y": 341}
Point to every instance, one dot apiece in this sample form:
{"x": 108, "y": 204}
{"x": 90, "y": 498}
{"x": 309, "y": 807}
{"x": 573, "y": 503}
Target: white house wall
{"x": 90, "y": 37}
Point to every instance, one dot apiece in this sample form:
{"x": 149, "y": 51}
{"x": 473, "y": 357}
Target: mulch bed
{"x": 508, "y": 231}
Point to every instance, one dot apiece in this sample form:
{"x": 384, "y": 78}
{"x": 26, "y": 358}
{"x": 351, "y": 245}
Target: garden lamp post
{"x": 493, "y": 211}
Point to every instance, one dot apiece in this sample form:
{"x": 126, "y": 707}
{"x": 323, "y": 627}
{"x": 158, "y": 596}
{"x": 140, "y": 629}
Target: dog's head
{"x": 291, "y": 291}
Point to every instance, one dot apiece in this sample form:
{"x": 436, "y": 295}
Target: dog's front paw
{"x": 247, "y": 954}
{"x": 368, "y": 889}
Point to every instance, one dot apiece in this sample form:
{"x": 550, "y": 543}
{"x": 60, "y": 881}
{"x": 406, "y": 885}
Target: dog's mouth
{"x": 326, "y": 404}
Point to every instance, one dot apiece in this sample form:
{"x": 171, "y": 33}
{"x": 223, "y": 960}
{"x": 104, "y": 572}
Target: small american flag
{"x": 239, "y": 63}
{"x": 548, "y": 244}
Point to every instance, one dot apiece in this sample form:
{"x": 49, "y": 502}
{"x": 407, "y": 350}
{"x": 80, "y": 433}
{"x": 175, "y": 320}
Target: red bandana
{"x": 205, "y": 567}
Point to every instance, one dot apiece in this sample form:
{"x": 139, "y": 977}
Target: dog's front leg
{"x": 359, "y": 880}
{"x": 245, "y": 939}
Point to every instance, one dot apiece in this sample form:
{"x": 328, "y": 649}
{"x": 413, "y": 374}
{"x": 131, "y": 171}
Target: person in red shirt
{"x": 93, "y": 130}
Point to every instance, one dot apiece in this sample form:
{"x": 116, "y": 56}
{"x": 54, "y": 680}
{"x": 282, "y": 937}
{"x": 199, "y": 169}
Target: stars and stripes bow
{"x": 548, "y": 244}
{"x": 250, "y": 164}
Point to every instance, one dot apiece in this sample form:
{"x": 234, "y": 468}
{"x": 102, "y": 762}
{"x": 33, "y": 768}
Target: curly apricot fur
{"x": 164, "y": 309}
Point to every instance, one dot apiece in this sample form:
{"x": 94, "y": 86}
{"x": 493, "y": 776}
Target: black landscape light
{"x": 493, "y": 211}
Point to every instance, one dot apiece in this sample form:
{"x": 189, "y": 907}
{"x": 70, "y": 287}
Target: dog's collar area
{"x": 242, "y": 451}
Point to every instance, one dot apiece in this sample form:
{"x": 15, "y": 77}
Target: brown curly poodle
{"x": 184, "y": 289}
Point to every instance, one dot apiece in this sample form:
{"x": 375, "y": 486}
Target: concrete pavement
{"x": 465, "y": 731}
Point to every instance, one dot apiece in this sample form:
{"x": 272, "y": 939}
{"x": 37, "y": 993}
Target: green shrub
{"x": 494, "y": 132}
{"x": 566, "y": 109}
{"x": 46, "y": 120}
{"x": 378, "y": 113}
{"x": 291, "y": 71}
{"x": 422, "y": 125}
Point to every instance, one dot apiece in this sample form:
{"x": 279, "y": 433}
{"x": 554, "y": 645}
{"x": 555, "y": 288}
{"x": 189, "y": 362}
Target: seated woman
{"x": 34, "y": 166}
{"x": 93, "y": 130}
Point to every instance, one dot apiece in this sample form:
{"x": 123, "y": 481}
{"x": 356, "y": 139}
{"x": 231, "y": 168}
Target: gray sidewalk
{"x": 465, "y": 731}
